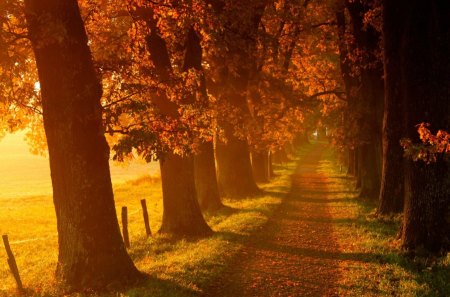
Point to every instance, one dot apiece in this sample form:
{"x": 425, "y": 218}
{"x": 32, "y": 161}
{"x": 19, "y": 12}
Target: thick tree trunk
{"x": 206, "y": 178}
{"x": 234, "y": 169}
{"x": 182, "y": 215}
{"x": 91, "y": 251}
{"x": 235, "y": 68}
{"x": 351, "y": 84}
{"x": 369, "y": 105}
{"x": 392, "y": 185}
{"x": 204, "y": 162}
{"x": 233, "y": 156}
{"x": 369, "y": 174}
{"x": 370, "y": 150}
{"x": 260, "y": 166}
{"x": 426, "y": 77}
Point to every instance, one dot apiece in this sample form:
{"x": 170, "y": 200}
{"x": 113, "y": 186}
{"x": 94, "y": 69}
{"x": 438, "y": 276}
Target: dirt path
{"x": 296, "y": 254}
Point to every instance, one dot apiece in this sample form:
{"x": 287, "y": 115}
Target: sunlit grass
{"x": 177, "y": 268}
{"x": 375, "y": 265}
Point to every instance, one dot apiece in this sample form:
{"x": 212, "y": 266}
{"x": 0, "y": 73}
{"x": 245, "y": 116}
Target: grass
{"x": 177, "y": 268}
{"x": 372, "y": 262}
{"x": 375, "y": 264}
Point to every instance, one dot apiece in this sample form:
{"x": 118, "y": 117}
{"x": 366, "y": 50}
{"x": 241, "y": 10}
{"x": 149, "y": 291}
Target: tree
{"x": 182, "y": 215}
{"x": 234, "y": 64}
{"x": 295, "y": 83}
{"x": 91, "y": 251}
{"x": 148, "y": 55}
{"x": 19, "y": 99}
{"x": 367, "y": 109}
{"x": 392, "y": 185}
{"x": 425, "y": 73}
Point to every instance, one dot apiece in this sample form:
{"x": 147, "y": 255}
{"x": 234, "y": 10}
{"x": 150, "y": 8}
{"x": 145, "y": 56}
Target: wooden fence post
{"x": 126, "y": 238}
{"x": 146, "y": 220}
{"x": 12, "y": 263}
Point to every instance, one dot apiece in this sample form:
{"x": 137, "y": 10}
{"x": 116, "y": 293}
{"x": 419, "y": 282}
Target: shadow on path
{"x": 296, "y": 254}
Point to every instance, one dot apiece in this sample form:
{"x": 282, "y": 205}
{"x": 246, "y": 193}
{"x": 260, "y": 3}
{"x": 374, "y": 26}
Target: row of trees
{"x": 188, "y": 83}
{"x": 395, "y": 67}
{"x": 233, "y": 83}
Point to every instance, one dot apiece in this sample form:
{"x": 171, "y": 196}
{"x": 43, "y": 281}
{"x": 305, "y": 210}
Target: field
{"x": 24, "y": 174}
{"x": 178, "y": 268}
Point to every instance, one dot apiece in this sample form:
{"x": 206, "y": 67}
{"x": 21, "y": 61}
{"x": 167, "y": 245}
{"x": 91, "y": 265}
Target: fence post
{"x": 126, "y": 238}
{"x": 12, "y": 263}
{"x": 146, "y": 220}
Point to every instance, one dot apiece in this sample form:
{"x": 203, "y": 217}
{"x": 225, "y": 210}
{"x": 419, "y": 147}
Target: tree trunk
{"x": 235, "y": 68}
{"x": 182, "y": 215}
{"x": 369, "y": 106}
{"x": 351, "y": 85}
{"x": 260, "y": 166}
{"x": 351, "y": 170}
{"x": 234, "y": 169}
{"x": 204, "y": 162}
{"x": 91, "y": 251}
{"x": 369, "y": 174}
{"x": 426, "y": 81}
{"x": 392, "y": 185}
{"x": 206, "y": 178}
{"x": 233, "y": 156}
{"x": 370, "y": 150}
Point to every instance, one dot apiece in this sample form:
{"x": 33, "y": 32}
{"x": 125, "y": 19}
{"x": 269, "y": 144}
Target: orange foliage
{"x": 433, "y": 146}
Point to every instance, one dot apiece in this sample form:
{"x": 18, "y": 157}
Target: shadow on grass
{"x": 154, "y": 287}
{"x": 433, "y": 273}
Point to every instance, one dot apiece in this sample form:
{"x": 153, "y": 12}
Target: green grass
{"x": 376, "y": 265}
{"x": 177, "y": 268}
{"x": 373, "y": 264}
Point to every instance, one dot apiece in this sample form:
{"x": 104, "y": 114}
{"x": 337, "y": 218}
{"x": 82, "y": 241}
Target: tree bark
{"x": 369, "y": 171}
{"x": 206, "y": 178}
{"x": 260, "y": 166}
{"x": 236, "y": 67}
{"x": 204, "y": 162}
{"x": 351, "y": 85}
{"x": 426, "y": 82}
{"x": 91, "y": 251}
{"x": 392, "y": 185}
{"x": 234, "y": 169}
{"x": 369, "y": 106}
{"x": 182, "y": 215}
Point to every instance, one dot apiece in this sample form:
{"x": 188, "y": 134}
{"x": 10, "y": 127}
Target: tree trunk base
{"x": 182, "y": 216}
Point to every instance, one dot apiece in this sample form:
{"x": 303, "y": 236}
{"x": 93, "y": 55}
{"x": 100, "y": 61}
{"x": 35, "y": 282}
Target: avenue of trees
{"x": 217, "y": 91}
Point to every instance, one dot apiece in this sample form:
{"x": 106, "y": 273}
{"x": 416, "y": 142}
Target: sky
{"x": 23, "y": 174}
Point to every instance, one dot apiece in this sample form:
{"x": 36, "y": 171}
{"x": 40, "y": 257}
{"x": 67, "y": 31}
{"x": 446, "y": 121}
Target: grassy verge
{"x": 177, "y": 268}
{"x": 375, "y": 265}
